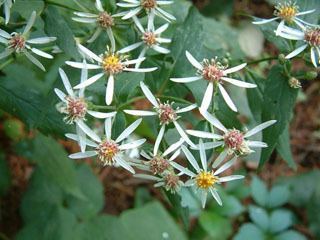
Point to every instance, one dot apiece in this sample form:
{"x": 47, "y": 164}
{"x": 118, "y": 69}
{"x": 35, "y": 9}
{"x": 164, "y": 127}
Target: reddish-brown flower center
{"x": 234, "y": 139}
{"x": 107, "y": 149}
{"x": 148, "y": 4}
{"x": 105, "y": 20}
{"x": 171, "y": 182}
{"x": 312, "y": 36}
{"x": 17, "y": 42}
{"x": 149, "y": 38}
{"x": 158, "y": 165}
{"x": 212, "y": 72}
{"x": 76, "y": 109}
{"x": 166, "y": 113}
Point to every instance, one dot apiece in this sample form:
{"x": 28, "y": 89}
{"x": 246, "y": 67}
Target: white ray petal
{"x": 138, "y": 24}
{"x": 108, "y": 127}
{"x": 131, "y": 145}
{"x": 209, "y": 145}
{"x": 305, "y": 12}
{"x": 175, "y": 155}
{"x": 186, "y": 79}
{"x": 124, "y": 164}
{"x": 203, "y": 134}
{"x": 95, "y": 35}
{"x": 225, "y": 166}
{"x": 99, "y": 6}
{"x": 61, "y": 95}
{"x": 165, "y": 14}
{"x": 182, "y": 169}
{"x": 41, "y": 53}
{"x": 163, "y": 40}
{"x": 203, "y": 156}
{"x": 227, "y": 98}
{"x": 84, "y": 14}
{"x": 191, "y": 158}
{"x": 160, "y": 49}
{"x": 84, "y": 20}
{"x": 280, "y": 27}
{"x": 77, "y": 139}
{"x": 82, "y": 138}
{"x": 206, "y": 101}
{"x": 130, "y": 47}
{"x": 161, "y": 29}
{"x": 297, "y": 51}
{"x": 313, "y": 54}
{"x": 193, "y": 61}
{"x": 89, "y": 81}
{"x": 81, "y": 65}
{"x": 3, "y": 40}
{"x": 187, "y": 109}
{"x": 101, "y": 114}
{"x": 140, "y": 69}
{"x": 239, "y": 83}
{"x": 214, "y": 121}
{"x": 89, "y": 53}
{"x": 88, "y": 131}
{"x": 5, "y": 53}
{"x": 231, "y": 178}
{"x": 111, "y": 38}
{"x": 140, "y": 113}
{"x": 133, "y": 61}
{"x": 164, "y": 2}
{"x": 149, "y": 95}
{"x": 263, "y": 21}
{"x": 259, "y": 128}
{"x": 222, "y": 156}
{"x": 289, "y": 36}
{"x": 203, "y": 197}
{"x": 132, "y": 13}
{"x": 80, "y": 155}
{"x": 83, "y": 77}
{"x": 183, "y": 134}
{"x": 151, "y": 15}
{"x": 234, "y": 69}
{"x": 34, "y": 61}
{"x": 66, "y": 82}
{"x": 216, "y": 196}
{"x": 132, "y": 127}
{"x": 257, "y": 144}
{"x": 109, "y": 90}
{"x": 158, "y": 140}
{"x": 147, "y": 177}
{"x": 128, "y": 5}
{"x": 41, "y": 40}
{"x": 4, "y": 34}
{"x": 173, "y": 147}
{"x": 30, "y": 23}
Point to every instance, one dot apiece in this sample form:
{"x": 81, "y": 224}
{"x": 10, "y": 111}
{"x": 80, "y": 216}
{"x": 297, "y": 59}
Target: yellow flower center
{"x": 286, "y": 11}
{"x": 112, "y": 64}
{"x": 205, "y": 180}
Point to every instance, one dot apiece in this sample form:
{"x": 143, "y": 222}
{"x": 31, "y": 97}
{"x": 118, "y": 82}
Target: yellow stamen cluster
{"x": 286, "y": 11}
{"x": 112, "y": 63}
{"x": 205, "y": 180}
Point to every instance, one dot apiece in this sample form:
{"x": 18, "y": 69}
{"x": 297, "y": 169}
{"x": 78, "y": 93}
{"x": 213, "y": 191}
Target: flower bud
{"x": 282, "y": 59}
{"x": 311, "y": 75}
{"x": 294, "y": 83}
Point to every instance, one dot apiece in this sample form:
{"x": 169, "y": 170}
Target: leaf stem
{"x": 262, "y": 60}
{"x": 3, "y": 65}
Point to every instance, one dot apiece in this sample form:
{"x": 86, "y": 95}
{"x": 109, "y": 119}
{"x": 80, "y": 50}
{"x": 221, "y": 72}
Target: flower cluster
{"x": 309, "y": 34}
{"x": 161, "y": 164}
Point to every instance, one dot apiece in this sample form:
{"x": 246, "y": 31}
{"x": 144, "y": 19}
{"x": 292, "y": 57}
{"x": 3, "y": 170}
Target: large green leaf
{"x": 284, "y": 149}
{"x": 55, "y": 164}
{"x": 249, "y": 231}
{"x": 259, "y": 216}
{"x": 215, "y": 225}
{"x": 278, "y": 196}
{"x": 279, "y": 100}
{"x": 280, "y": 220}
{"x": 259, "y": 191}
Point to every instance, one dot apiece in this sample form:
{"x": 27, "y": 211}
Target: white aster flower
{"x": 310, "y": 37}
{"x": 205, "y": 178}
{"x": 233, "y": 140}
{"x": 215, "y": 74}
{"x": 151, "y": 39}
{"x": 103, "y": 20}
{"x": 75, "y": 107}
{"x": 7, "y": 4}
{"x": 111, "y": 152}
{"x": 152, "y": 8}
{"x": 19, "y": 43}
{"x": 166, "y": 113}
{"x": 111, "y": 63}
{"x": 287, "y": 12}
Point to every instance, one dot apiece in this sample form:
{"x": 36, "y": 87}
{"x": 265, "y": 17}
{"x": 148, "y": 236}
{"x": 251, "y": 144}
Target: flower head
{"x": 20, "y": 43}
{"x": 215, "y": 73}
{"x": 205, "y": 178}
{"x": 286, "y": 11}
{"x": 165, "y": 112}
{"x": 110, "y": 151}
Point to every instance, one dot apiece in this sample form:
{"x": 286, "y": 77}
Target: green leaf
{"x": 259, "y": 216}
{"x": 25, "y": 8}
{"x": 56, "y": 26}
{"x": 280, "y": 220}
{"x": 290, "y": 235}
{"x": 5, "y": 176}
{"x": 127, "y": 84}
{"x": 151, "y": 222}
{"x": 92, "y": 189}
{"x": 284, "y": 149}
{"x": 278, "y": 196}
{"x": 216, "y": 226}
{"x": 259, "y": 191}
{"x": 55, "y": 164}
{"x": 119, "y": 124}
{"x": 249, "y": 231}
{"x": 35, "y": 110}
{"x": 279, "y": 100}
{"x": 231, "y": 207}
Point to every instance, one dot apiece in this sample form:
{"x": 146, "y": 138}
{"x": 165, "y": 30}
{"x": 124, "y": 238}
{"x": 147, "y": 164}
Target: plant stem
{"x": 10, "y": 60}
{"x": 60, "y": 5}
{"x": 262, "y": 60}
